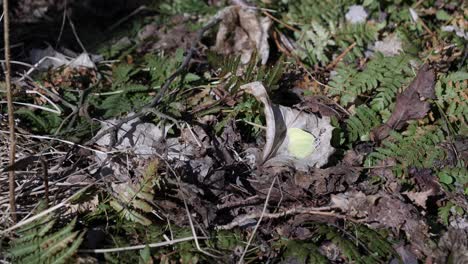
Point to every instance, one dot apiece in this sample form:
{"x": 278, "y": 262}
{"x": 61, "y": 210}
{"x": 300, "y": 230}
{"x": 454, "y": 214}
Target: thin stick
{"x": 340, "y": 57}
{"x": 45, "y": 175}
{"x": 281, "y": 22}
{"x": 63, "y": 141}
{"x": 325, "y": 211}
{"x": 152, "y": 245}
{"x": 122, "y": 20}
{"x": 75, "y": 33}
{"x": 31, "y": 219}
{"x": 64, "y": 19}
{"x": 241, "y": 260}
{"x": 11, "y": 118}
{"x": 45, "y": 212}
{"x": 194, "y": 233}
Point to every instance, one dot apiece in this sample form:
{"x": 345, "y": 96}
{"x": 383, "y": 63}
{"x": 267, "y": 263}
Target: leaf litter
{"x": 240, "y": 163}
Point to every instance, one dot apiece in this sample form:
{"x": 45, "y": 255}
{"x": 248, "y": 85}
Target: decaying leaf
{"x": 281, "y": 134}
{"x": 134, "y": 135}
{"x": 50, "y": 58}
{"x": 419, "y": 198}
{"x": 171, "y": 39}
{"x": 243, "y": 32}
{"x": 453, "y": 245}
{"x": 383, "y": 210}
{"x": 411, "y": 104}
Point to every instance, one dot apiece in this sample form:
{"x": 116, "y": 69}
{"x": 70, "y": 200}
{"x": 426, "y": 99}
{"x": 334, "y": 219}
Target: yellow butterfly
{"x": 301, "y": 143}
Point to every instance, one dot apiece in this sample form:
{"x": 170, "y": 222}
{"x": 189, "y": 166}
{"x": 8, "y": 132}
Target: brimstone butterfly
{"x": 301, "y": 143}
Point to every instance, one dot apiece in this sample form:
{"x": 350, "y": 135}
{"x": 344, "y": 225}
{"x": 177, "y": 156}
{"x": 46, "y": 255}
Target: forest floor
{"x": 188, "y": 131}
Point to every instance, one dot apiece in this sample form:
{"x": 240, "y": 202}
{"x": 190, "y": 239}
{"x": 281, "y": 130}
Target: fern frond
{"x": 305, "y": 11}
{"x": 361, "y": 123}
{"x": 136, "y": 198}
{"x": 315, "y": 41}
{"x": 358, "y": 243}
{"x": 37, "y": 244}
{"x": 380, "y": 79}
{"x": 303, "y": 252}
{"x": 452, "y": 96}
{"x": 362, "y": 34}
{"x": 419, "y": 147}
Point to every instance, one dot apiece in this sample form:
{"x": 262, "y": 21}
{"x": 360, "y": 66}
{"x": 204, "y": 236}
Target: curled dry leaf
{"x": 411, "y": 104}
{"x": 292, "y": 137}
{"x": 243, "y": 32}
{"x": 50, "y": 58}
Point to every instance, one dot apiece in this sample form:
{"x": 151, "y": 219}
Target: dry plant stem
{"x": 157, "y": 99}
{"x": 72, "y": 25}
{"x": 241, "y": 260}
{"x": 62, "y": 141}
{"x": 11, "y": 118}
{"x": 194, "y": 232}
{"x": 281, "y": 22}
{"x": 64, "y": 203}
{"x": 125, "y": 18}
{"x": 64, "y": 19}
{"x": 325, "y": 211}
{"x": 340, "y": 57}
{"x": 152, "y": 245}
{"x": 45, "y": 175}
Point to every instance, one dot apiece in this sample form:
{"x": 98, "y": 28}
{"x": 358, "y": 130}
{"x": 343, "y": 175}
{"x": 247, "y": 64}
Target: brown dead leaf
{"x": 425, "y": 179}
{"x": 453, "y": 245}
{"x": 242, "y": 31}
{"x": 419, "y": 198}
{"x": 383, "y": 210}
{"x": 411, "y": 104}
{"x": 322, "y": 105}
{"x": 177, "y": 37}
{"x": 333, "y": 179}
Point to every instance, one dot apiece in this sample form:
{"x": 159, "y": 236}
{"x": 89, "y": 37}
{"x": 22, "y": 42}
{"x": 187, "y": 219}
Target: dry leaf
{"x": 243, "y": 32}
{"x": 411, "y": 104}
{"x": 419, "y": 198}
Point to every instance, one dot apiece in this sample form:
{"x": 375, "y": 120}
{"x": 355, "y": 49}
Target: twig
{"x": 45, "y": 175}
{"x": 340, "y": 57}
{"x": 64, "y": 18}
{"x": 298, "y": 60}
{"x": 241, "y": 260}
{"x": 157, "y": 99}
{"x": 293, "y": 211}
{"x": 45, "y": 212}
{"x": 152, "y": 245}
{"x": 247, "y": 201}
{"x": 74, "y": 32}
{"x": 125, "y": 18}
{"x": 281, "y": 22}
{"x": 34, "y": 106}
{"x": 11, "y": 118}
{"x": 63, "y": 141}
{"x": 194, "y": 233}
{"x": 34, "y": 67}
